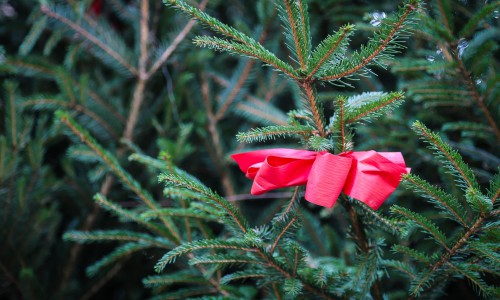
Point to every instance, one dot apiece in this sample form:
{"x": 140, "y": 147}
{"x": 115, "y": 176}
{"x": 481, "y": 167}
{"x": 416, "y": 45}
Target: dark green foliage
{"x": 473, "y": 221}
{"x": 27, "y": 187}
{"x": 115, "y": 144}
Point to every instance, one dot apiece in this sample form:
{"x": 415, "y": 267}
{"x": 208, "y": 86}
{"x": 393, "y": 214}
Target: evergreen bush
{"x": 98, "y": 102}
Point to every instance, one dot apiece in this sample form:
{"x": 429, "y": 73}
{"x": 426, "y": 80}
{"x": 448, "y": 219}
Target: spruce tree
{"x": 204, "y": 240}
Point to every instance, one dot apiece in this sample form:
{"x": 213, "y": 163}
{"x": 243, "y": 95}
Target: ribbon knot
{"x": 368, "y": 176}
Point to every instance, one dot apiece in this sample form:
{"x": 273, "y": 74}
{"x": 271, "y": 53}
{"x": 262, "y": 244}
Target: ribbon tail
{"x": 327, "y": 178}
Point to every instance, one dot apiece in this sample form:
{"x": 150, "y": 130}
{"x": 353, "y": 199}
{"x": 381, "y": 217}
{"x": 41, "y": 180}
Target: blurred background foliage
{"x": 86, "y": 58}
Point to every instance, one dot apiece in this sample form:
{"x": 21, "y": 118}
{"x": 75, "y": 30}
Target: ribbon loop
{"x": 275, "y": 168}
{"x": 368, "y": 176}
{"x": 373, "y": 176}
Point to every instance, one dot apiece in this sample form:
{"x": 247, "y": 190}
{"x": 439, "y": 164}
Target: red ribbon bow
{"x": 368, "y": 176}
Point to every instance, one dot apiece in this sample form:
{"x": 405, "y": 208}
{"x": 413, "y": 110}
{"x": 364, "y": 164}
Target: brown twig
{"x": 311, "y": 97}
{"x": 232, "y": 95}
{"x": 239, "y": 84}
{"x": 175, "y": 43}
{"x": 138, "y": 97}
{"x": 477, "y": 97}
{"x": 290, "y": 223}
{"x": 215, "y": 144}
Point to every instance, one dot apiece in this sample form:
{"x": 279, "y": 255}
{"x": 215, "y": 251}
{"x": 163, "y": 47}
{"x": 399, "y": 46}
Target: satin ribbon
{"x": 368, "y": 176}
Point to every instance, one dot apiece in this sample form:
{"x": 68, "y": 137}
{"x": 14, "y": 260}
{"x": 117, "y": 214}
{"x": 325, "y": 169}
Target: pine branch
{"x": 368, "y": 269}
{"x": 385, "y": 42}
{"x": 305, "y": 28}
{"x": 181, "y": 277}
{"x": 471, "y": 127}
{"x": 487, "y": 250}
{"x": 284, "y": 230}
{"x": 241, "y": 44}
{"x": 329, "y": 48}
{"x": 28, "y": 66}
{"x": 272, "y": 262}
{"x": 372, "y": 217}
{"x": 262, "y": 112}
{"x": 127, "y": 214}
{"x": 245, "y": 274}
{"x": 452, "y": 159}
{"x": 224, "y": 259}
{"x": 289, "y": 208}
{"x": 213, "y": 23}
{"x": 40, "y": 67}
{"x": 115, "y": 235}
{"x": 439, "y": 197}
{"x": 292, "y": 287}
{"x": 435, "y": 29}
{"x": 419, "y": 285}
{"x": 65, "y": 85}
{"x": 299, "y": 31}
{"x": 361, "y": 241}
{"x": 91, "y": 38}
{"x": 374, "y": 108}
{"x": 478, "y": 202}
{"x": 472, "y": 276}
{"x": 414, "y": 65}
{"x": 185, "y": 248}
{"x": 424, "y": 223}
{"x": 229, "y": 208}
{"x": 115, "y": 167}
{"x": 477, "y": 18}
{"x": 216, "y": 150}
{"x": 187, "y": 213}
{"x": 318, "y": 143}
{"x": 236, "y": 48}
{"x": 402, "y": 267}
{"x": 414, "y": 254}
{"x": 338, "y": 128}
{"x": 445, "y": 12}
{"x": 117, "y": 254}
{"x": 289, "y": 262}
{"x": 494, "y": 189}
{"x": 272, "y": 132}
{"x": 34, "y": 34}
{"x": 40, "y": 103}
